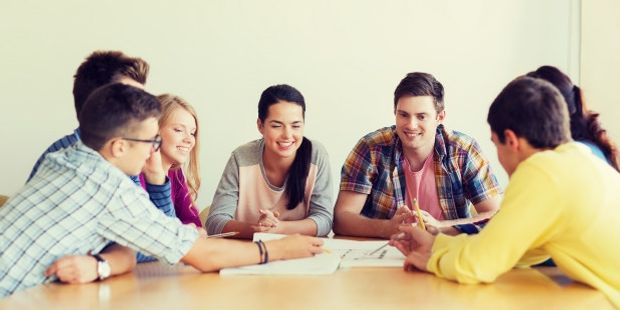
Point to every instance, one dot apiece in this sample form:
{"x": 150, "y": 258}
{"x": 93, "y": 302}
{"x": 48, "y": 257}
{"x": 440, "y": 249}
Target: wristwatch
{"x": 103, "y": 268}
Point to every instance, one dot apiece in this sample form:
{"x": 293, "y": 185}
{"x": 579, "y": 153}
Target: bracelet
{"x": 266, "y": 252}
{"x": 260, "y": 251}
{"x": 262, "y": 248}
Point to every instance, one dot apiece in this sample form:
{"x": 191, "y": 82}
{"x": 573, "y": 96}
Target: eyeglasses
{"x": 155, "y": 142}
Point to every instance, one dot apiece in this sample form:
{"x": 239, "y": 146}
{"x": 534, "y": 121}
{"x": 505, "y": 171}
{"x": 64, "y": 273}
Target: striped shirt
{"x": 159, "y": 194}
{"x": 76, "y": 205}
{"x": 463, "y": 176}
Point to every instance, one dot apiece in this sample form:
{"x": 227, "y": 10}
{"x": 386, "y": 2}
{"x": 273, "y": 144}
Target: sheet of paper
{"x": 355, "y": 253}
{"x": 386, "y": 257}
{"x": 316, "y": 265}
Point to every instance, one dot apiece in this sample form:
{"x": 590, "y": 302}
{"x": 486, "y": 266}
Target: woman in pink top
{"x": 178, "y": 128}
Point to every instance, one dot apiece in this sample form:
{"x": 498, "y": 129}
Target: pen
{"x": 378, "y": 249}
{"x": 399, "y": 236}
{"x": 223, "y": 235}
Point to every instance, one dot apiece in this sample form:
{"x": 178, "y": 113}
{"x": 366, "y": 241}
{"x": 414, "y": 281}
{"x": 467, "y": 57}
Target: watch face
{"x": 103, "y": 269}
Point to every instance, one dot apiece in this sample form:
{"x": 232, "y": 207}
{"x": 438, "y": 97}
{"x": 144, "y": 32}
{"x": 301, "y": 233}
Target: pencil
{"x": 223, "y": 235}
{"x": 418, "y": 213}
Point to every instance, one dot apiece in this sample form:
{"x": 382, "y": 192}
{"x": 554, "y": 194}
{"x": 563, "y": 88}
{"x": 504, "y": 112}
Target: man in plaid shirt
{"x": 417, "y": 159}
{"x": 81, "y": 199}
{"x": 101, "y": 68}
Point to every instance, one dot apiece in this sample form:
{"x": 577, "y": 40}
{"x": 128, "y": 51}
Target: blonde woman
{"x": 178, "y": 128}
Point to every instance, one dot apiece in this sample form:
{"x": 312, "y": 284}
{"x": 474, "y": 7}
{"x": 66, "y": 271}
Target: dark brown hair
{"x": 104, "y": 67}
{"x": 420, "y": 84}
{"x": 584, "y": 123}
{"x": 533, "y": 109}
{"x": 112, "y": 111}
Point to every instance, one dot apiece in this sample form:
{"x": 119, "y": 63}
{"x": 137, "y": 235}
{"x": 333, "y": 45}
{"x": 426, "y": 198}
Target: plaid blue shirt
{"x": 75, "y": 205}
{"x": 463, "y": 176}
{"x": 159, "y": 194}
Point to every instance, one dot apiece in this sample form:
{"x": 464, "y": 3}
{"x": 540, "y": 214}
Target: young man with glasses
{"x": 101, "y": 68}
{"x": 81, "y": 200}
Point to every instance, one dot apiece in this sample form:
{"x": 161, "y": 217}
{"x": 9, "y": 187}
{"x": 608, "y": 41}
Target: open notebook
{"x": 344, "y": 253}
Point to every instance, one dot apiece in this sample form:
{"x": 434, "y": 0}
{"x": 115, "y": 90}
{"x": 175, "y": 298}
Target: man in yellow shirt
{"x": 562, "y": 202}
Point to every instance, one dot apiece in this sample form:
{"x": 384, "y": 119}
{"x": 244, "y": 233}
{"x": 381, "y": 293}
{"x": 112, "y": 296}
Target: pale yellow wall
{"x": 345, "y": 56}
{"x": 600, "y": 61}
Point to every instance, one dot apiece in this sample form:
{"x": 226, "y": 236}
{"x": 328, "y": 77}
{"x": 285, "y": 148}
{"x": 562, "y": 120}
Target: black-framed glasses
{"x": 155, "y": 142}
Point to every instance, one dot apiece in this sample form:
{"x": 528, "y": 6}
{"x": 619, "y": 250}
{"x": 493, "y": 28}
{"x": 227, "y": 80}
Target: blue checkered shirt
{"x": 75, "y": 205}
{"x": 159, "y": 194}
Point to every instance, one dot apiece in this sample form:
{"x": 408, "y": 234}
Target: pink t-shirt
{"x": 255, "y": 192}
{"x": 421, "y": 185}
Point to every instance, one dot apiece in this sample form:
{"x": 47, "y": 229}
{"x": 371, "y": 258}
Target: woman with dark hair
{"x": 279, "y": 184}
{"x": 584, "y": 124}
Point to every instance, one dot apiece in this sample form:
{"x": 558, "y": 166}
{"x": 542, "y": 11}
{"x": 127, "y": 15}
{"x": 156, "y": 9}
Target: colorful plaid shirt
{"x": 76, "y": 205}
{"x": 462, "y": 174}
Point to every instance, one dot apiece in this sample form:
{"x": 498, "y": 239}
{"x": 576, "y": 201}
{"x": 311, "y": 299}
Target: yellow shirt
{"x": 563, "y": 203}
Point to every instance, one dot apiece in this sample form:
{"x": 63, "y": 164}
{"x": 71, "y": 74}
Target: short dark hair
{"x": 584, "y": 123}
{"x": 114, "y": 110}
{"x": 420, "y": 84}
{"x": 534, "y": 109}
{"x": 298, "y": 173}
{"x": 101, "y": 68}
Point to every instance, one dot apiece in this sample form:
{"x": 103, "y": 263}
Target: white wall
{"x": 600, "y": 61}
{"x": 345, "y": 56}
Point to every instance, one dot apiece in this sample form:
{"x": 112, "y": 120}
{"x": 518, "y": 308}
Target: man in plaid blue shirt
{"x": 80, "y": 200}
{"x": 101, "y": 68}
{"x": 417, "y": 160}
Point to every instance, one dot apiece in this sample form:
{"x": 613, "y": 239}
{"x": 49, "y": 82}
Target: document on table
{"x": 388, "y": 257}
{"x": 325, "y": 263}
{"x": 357, "y": 253}
{"x": 344, "y": 253}
{"x": 317, "y": 265}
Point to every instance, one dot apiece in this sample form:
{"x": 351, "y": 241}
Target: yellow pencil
{"x": 418, "y": 213}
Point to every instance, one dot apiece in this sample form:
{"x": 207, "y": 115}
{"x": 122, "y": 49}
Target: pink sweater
{"x": 181, "y": 198}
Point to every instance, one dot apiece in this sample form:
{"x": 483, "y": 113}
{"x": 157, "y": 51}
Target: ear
{"x": 511, "y": 139}
{"x": 441, "y": 116}
{"x": 117, "y": 147}
{"x": 260, "y": 126}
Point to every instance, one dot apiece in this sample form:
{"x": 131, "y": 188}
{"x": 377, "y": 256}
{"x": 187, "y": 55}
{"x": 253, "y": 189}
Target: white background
{"x": 346, "y": 57}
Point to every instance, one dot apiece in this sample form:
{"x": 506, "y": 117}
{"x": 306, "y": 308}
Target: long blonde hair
{"x": 191, "y": 169}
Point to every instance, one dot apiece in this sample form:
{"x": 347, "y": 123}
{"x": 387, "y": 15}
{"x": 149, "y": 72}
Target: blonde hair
{"x": 191, "y": 169}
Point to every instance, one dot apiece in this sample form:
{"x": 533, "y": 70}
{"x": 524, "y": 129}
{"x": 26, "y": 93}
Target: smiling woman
{"x": 280, "y": 183}
{"x": 178, "y": 128}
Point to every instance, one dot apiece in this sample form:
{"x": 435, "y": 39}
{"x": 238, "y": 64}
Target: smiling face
{"x": 282, "y": 129}
{"x": 416, "y": 123}
{"x": 178, "y": 133}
